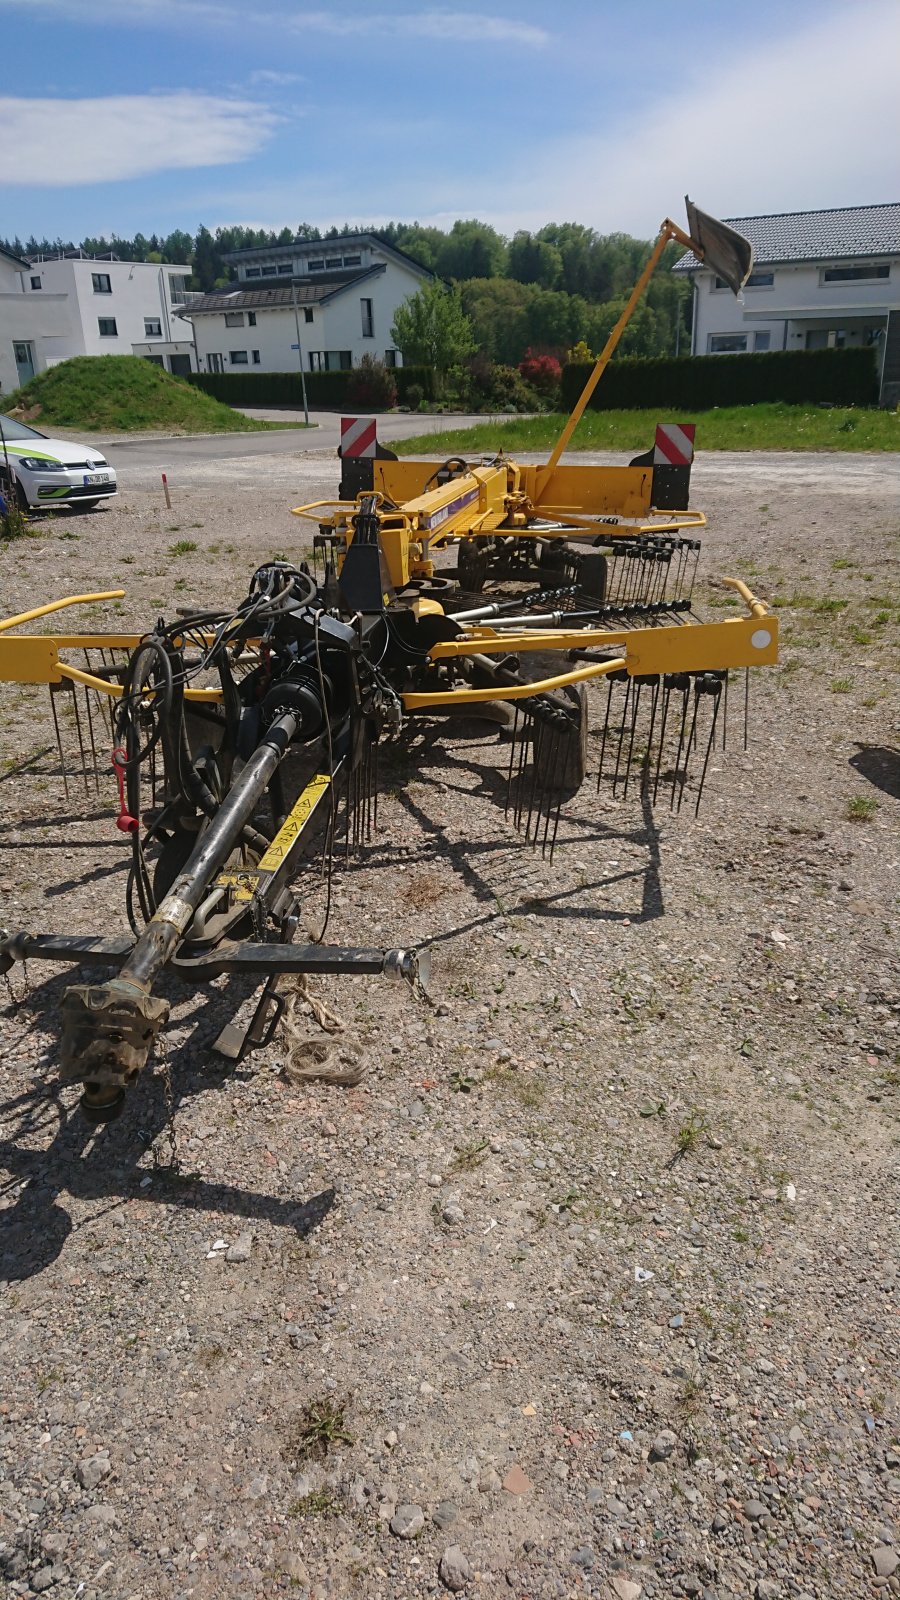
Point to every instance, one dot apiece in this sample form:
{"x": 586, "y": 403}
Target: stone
{"x": 753, "y": 1510}
{"x": 445, "y": 1514}
{"x": 53, "y": 1544}
{"x": 768, "y": 1589}
{"x": 453, "y": 1214}
{"x": 583, "y": 1558}
{"x": 301, "y": 1338}
{"x": 42, "y": 1579}
{"x": 240, "y": 1250}
{"x": 293, "y": 1566}
{"x": 92, "y": 1470}
{"x": 407, "y": 1521}
{"x": 885, "y": 1560}
{"x": 100, "y": 1513}
{"x": 516, "y": 1481}
{"x": 663, "y": 1445}
{"x": 625, "y": 1588}
{"x": 488, "y": 1480}
{"x": 453, "y": 1569}
{"x": 719, "y": 1523}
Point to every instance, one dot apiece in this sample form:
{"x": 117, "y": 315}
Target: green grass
{"x": 861, "y": 808}
{"x": 123, "y": 394}
{"x": 763, "y": 427}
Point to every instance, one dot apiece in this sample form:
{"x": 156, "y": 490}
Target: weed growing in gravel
{"x": 841, "y": 562}
{"x": 209, "y": 1356}
{"x": 861, "y": 808}
{"x": 841, "y": 685}
{"x": 319, "y": 1427}
{"x": 182, "y": 547}
{"x": 45, "y": 1379}
{"x": 689, "y": 1134}
{"x": 319, "y": 1503}
{"x": 462, "y": 1083}
{"x": 468, "y": 1156}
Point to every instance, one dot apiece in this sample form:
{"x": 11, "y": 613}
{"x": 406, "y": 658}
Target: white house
{"x": 820, "y": 279}
{"x": 327, "y": 303}
{"x": 54, "y": 307}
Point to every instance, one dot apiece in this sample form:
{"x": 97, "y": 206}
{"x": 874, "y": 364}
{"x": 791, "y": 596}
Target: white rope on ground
{"x": 312, "y": 1060}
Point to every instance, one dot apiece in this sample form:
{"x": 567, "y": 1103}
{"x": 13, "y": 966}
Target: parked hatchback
{"x": 48, "y": 472}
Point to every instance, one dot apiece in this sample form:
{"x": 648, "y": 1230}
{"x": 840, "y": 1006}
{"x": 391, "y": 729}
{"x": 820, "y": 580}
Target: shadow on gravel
{"x": 46, "y": 1144}
{"x": 879, "y": 765}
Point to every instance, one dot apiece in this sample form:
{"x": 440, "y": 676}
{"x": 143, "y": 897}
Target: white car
{"x": 52, "y": 472}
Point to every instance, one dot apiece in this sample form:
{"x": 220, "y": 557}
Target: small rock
{"x": 92, "y": 1471}
{"x": 625, "y": 1588}
{"x": 53, "y": 1544}
{"x": 753, "y": 1510}
{"x": 301, "y": 1338}
{"x": 240, "y": 1250}
{"x": 765, "y": 1367}
{"x": 444, "y": 1515}
{"x": 453, "y": 1569}
{"x": 768, "y": 1589}
{"x": 583, "y": 1558}
{"x": 293, "y": 1566}
{"x": 453, "y": 1214}
{"x": 885, "y": 1560}
{"x": 100, "y": 1513}
{"x": 516, "y": 1481}
{"x": 663, "y": 1445}
{"x": 407, "y": 1521}
{"x": 488, "y": 1480}
{"x": 42, "y": 1579}
{"x": 719, "y": 1523}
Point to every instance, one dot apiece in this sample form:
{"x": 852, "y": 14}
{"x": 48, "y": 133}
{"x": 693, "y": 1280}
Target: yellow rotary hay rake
{"x": 238, "y": 738}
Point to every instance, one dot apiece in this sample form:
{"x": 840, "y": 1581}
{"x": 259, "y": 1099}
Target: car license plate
{"x": 96, "y": 477}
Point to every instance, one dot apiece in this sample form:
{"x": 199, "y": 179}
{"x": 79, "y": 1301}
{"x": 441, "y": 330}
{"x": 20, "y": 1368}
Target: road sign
{"x": 295, "y": 347}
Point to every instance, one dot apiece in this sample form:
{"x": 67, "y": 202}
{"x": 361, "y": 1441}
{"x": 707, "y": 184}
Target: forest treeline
{"x": 547, "y": 290}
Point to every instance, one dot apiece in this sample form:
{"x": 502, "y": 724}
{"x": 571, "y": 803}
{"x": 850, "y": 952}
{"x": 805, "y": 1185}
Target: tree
{"x": 431, "y": 328}
{"x": 533, "y": 260}
{"x": 471, "y": 250}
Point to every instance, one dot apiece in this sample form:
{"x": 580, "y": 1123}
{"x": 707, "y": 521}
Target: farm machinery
{"x": 241, "y": 738}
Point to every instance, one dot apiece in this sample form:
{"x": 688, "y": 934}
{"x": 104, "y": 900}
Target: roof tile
{"x": 849, "y": 231}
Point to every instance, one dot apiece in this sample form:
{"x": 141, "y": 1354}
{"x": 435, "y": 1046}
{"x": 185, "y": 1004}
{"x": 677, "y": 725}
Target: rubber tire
{"x": 21, "y": 497}
{"x": 570, "y": 763}
{"x": 472, "y": 564}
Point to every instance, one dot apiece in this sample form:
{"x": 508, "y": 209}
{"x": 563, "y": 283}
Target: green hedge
{"x": 325, "y": 391}
{"x": 797, "y": 377}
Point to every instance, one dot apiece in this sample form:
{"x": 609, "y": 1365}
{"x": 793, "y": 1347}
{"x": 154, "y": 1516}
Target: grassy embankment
{"x": 763, "y": 427}
{"x": 121, "y": 394}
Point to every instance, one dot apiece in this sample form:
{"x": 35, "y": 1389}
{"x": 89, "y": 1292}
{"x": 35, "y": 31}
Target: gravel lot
{"x": 589, "y": 1287}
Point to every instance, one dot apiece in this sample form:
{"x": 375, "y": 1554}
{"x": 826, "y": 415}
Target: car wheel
{"x": 21, "y": 496}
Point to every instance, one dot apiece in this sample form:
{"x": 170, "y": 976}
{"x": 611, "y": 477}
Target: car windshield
{"x": 18, "y": 430}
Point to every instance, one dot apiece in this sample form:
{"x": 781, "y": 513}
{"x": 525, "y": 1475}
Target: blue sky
{"x": 156, "y": 114}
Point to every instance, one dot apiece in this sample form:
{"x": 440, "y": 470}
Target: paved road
{"x": 189, "y": 460}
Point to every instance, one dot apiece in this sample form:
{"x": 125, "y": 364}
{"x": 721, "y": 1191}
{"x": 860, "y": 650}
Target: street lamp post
{"x": 299, "y": 349}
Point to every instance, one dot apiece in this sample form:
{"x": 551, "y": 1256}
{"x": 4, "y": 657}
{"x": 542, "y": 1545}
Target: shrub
{"x": 796, "y": 377}
{"x": 415, "y": 394}
{"x": 493, "y": 387}
{"x": 542, "y": 372}
{"x": 371, "y": 386}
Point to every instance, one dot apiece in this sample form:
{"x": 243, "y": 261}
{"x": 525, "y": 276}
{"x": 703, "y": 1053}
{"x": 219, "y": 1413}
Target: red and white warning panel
{"x": 358, "y": 436}
{"x": 674, "y": 445}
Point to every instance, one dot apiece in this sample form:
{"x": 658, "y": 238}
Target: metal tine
{"x": 548, "y": 792}
{"x": 375, "y": 787}
{"x": 520, "y": 775}
{"x": 80, "y": 740}
{"x": 709, "y": 744}
{"x": 677, "y": 771}
{"x": 725, "y": 711}
{"x": 59, "y": 744}
{"x": 690, "y": 743}
{"x": 512, "y": 757}
{"x": 666, "y": 694}
{"x": 746, "y": 705}
{"x": 610, "y": 687}
{"x": 622, "y": 732}
{"x": 635, "y": 708}
{"x": 696, "y": 544}
{"x": 645, "y": 764}
{"x": 534, "y": 775}
{"x": 90, "y": 719}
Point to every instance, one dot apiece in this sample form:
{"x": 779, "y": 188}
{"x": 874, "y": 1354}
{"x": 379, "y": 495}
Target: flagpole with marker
{"x": 298, "y": 349}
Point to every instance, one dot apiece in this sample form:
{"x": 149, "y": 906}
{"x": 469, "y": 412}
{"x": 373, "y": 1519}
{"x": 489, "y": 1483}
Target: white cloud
{"x": 278, "y": 80}
{"x": 812, "y": 119}
{"x": 68, "y": 142}
{"x": 459, "y": 27}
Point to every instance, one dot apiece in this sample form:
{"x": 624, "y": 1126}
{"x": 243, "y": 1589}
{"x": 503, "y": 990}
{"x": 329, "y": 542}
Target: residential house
{"x": 820, "y": 280}
{"x": 322, "y": 303}
{"x": 54, "y": 307}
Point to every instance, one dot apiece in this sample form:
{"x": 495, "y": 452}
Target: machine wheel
{"x": 562, "y": 765}
{"x": 473, "y": 559}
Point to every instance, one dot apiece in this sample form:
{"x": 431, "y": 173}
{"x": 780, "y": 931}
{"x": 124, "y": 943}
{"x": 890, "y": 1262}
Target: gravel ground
{"x": 587, "y": 1287}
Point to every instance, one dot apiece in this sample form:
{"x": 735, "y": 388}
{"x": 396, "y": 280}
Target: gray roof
{"x": 301, "y": 247}
{"x": 847, "y": 232}
{"x": 10, "y": 255}
{"x": 268, "y": 297}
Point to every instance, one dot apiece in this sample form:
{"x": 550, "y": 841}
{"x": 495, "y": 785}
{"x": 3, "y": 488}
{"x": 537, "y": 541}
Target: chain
{"x": 421, "y": 993}
{"x": 169, "y": 1128}
{"x": 17, "y": 999}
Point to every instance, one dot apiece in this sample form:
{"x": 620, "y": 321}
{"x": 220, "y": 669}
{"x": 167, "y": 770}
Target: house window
{"x": 234, "y": 319}
{"x": 316, "y": 266}
{"x": 860, "y": 274}
{"x": 253, "y": 272}
{"x": 255, "y": 354}
{"x": 368, "y": 328}
{"x": 178, "y": 291}
{"x": 307, "y": 312}
{"x": 723, "y": 344}
{"x": 152, "y": 328}
{"x": 214, "y": 363}
{"x": 100, "y": 283}
{"x": 107, "y": 327}
{"x": 330, "y": 360}
{"x": 251, "y": 319}
{"x": 353, "y": 261}
{"x": 390, "y": 358}
{"x": 35, "y": 283}
{"x": 238, "y": 358}
{"x": 756, "y": 280}
{"x": 334, "y": 261}
{"x": 761, "y": 339}
{"x": 285, "y": 269}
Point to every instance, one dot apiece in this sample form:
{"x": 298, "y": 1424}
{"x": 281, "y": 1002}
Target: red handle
{"x": 124, "y": 821}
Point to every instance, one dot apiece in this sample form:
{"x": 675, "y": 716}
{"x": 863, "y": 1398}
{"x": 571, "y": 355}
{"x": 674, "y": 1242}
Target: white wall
{"x": 796, "y": 289}
{"x": 42, "y": 320}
